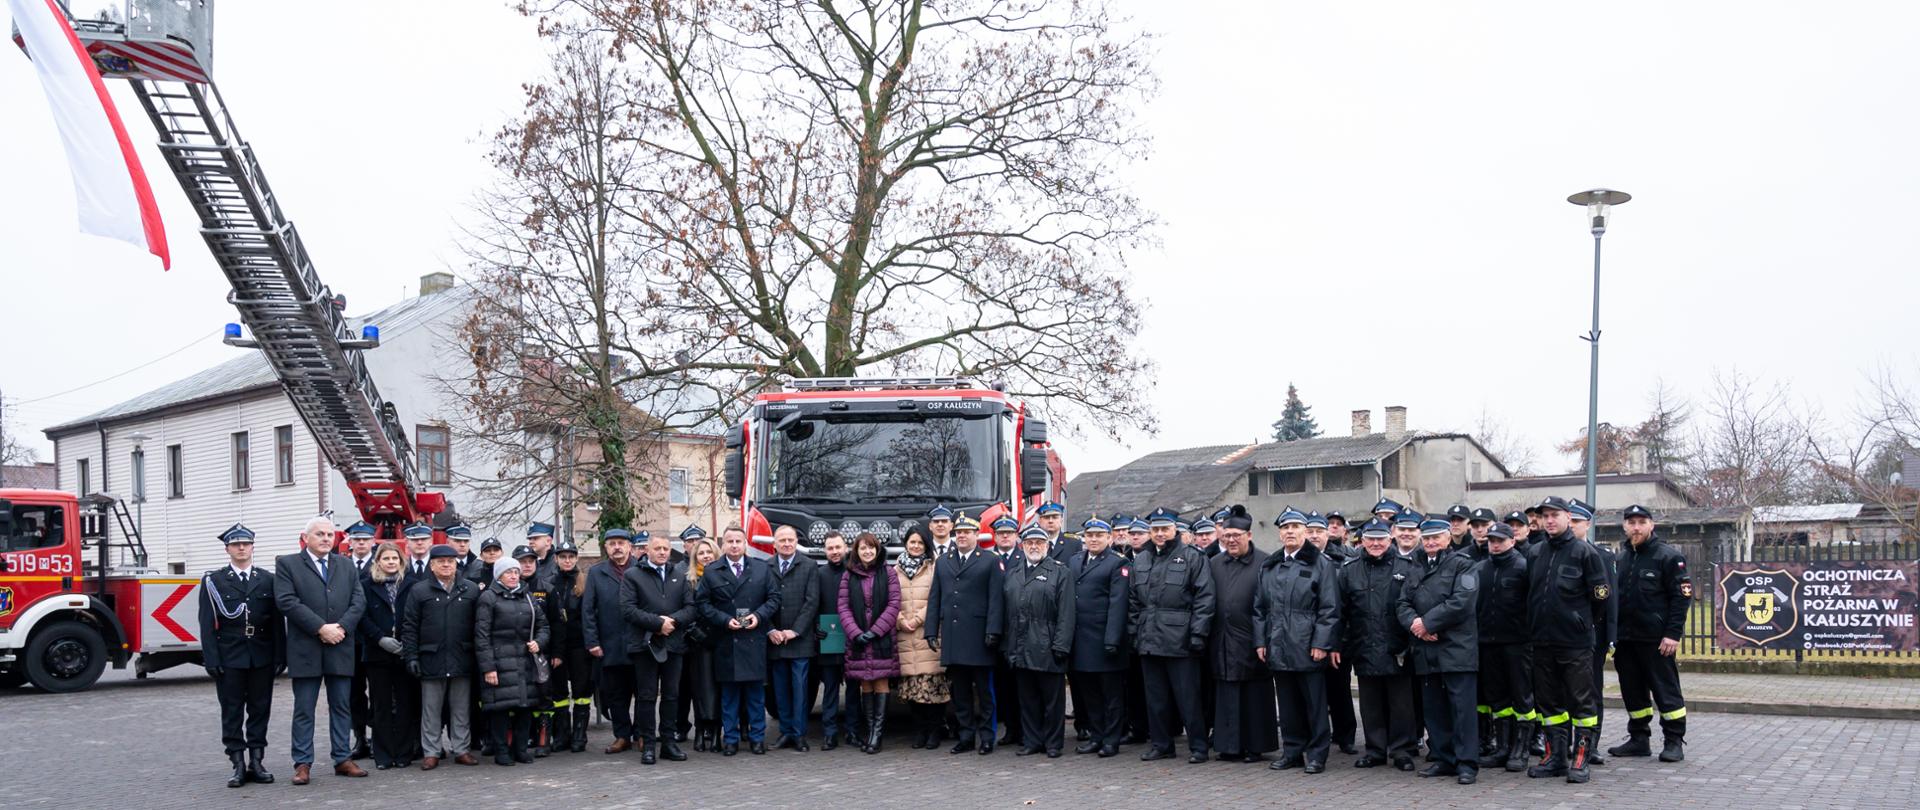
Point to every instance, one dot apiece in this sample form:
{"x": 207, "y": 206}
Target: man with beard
{"x": 1171, "y": 613}
{"x": 1654, "y": 598}
{"x": 1243, "y": 691}
{"x": 1296, "y": 620}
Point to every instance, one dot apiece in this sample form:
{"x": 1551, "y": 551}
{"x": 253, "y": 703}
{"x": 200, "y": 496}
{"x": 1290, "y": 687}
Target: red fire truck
{"x": 854, "y": 455}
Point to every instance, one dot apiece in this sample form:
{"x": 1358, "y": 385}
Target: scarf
{"x": 865, "y": 613}
{"x": 910, "y": 566}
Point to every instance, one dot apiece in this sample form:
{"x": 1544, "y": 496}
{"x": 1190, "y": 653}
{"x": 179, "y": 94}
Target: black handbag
{"x": 542, "y": 672}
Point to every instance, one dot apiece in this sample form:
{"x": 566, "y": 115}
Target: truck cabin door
{"x": 35, "y": 557}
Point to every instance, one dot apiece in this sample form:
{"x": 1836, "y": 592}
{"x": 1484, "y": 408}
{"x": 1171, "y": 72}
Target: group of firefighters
{"x": 1486, "y": 633}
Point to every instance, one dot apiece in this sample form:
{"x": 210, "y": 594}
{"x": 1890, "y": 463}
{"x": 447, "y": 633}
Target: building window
{"x": 86, "y": 478}
{"x": 283, "y": 455}
{"x": 1287, "y": 482}
{"x": 176, "y": 468}
{"x": 1337, "y": 479}
{"x": 1253, "y": 483}
{"x": 678, "y": 487}
{"x": 242, "y": 462}
{"x": 1476, "y": 472}
{"x": 436, "y": 464}
{"x": 139, "y": 475}
{"x": 1390, "y": 472}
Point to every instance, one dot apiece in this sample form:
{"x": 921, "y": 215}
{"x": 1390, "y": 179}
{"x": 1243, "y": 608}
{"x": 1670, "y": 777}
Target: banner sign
{"x": 1867, "y": 605}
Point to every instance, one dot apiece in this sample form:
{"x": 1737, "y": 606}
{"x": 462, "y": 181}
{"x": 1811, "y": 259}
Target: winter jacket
{"x": 382, "y": 619}
{"x": 1099, "y": 611}
{"x": 1503, "y": 598}
{"x": 1040, "y": 615}
{"x": 1170, "y": 601}
{"x": 799, "y": 607}
{"x": 1654, "y": 591}
{"x": 1566, "y": 584}
{"x": 739, "y": 656}
{"x": 1444, "y": 595}
{"x": 503, "y": 622}
{"x": 602, "y": 612}
{"x": 1373, "y": 639}
{"x": 566, "y": 620}
{"x": 861, "y": 611}
{"x": 649, "y": 597}
{"x": 909, "y": 637}
{"x": 1297, "y": 610}
{"x": 436, "y": 627}
{"x": 1236, "y": 587}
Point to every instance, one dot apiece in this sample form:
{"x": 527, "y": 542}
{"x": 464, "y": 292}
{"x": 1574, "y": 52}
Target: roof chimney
{"x": 435, "y": 283}
{"x": 1396, "y": 420}
{"x": 1362, "y": 422}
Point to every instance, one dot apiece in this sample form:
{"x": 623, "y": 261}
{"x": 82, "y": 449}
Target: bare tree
{"x": 1510, "y": 449}
{"x": 1866, "y": 464}
{"x": 816, "y": 188}
{"x": 1663, "y": 435}
{"x": 1615, "y": 449}
{"x": 1752, "y": 448}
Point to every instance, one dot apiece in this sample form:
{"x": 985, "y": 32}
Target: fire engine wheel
{"x": 65, "y": 657}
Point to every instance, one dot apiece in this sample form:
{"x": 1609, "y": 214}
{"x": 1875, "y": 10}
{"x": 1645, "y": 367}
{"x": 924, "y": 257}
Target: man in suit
{"x": 1100, "y": 579}
{"x": 242, "y": 647}
{"x": 658, "y": 608}
{"x": 360, "y": 553}
{"x": 965, "y": 617}
{"x": 1050, "y": 517}
{"x": 604, "y": 623}
{"x": 419, "y": 542}
{"x": 791, "y": 635}
{"x": 738, "y": 600}
{"x": 318, "y": 592}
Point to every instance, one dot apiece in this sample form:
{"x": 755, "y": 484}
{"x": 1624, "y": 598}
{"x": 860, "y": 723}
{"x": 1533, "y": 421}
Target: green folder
{"x": 836, "y": 640}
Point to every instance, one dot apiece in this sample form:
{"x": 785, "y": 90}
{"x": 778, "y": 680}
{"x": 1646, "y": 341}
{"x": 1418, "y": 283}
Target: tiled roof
{"x": 1331, "y": 451}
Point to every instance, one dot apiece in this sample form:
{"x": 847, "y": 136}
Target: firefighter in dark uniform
{"x": 1654, "y": 594}
{"x": 1606, "y": 621}
{"x": 1478, "y": 522}
{"x": 1458, "y": 517}
{"x": 1375, "y": 644}
{"x": 1170, "y": 613}
{"x": 570, "y": 685}
{"x": 243, "y": 648}
{"x": 1506, "y": 670}
{"x": 1099, "y": 659}
{"x": 1526, "y": 541}
{"x": 1567, "y": 586}
{"x": 1133, "y": 686}
{"x": 545, "y": 567}
{"x": 1296, "y": 630}
{"x": 1438, "y": 607}
{"x": 966, "y": 613}
{"x": 1039, "y": 639}
{"x": 1339, "y": 677}
{"x": 1060, "y": 544}
{"x": 1517, "y": 523}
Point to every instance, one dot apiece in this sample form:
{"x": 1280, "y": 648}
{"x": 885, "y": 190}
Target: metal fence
{"x": 1705, "y": 615}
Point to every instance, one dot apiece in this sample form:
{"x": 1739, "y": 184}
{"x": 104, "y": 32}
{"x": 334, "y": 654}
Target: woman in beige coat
{"x": 923, "y": 684}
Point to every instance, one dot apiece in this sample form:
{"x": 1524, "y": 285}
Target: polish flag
{"x": 108, "y": 183}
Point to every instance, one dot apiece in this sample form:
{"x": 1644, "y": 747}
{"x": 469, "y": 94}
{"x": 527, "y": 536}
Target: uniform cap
{"x": 441, "y": 551}
{"x": 1033, "y": 533}
{"x": 1290, "y": 516}
{"x": 1434, "y": 526}
{"x": 1204, "y": 526}
{"x": 1315, "y": 519}
{"x": 1162, "y": 517}
{"x": 1005, "y": 523}
{"x": 360, "y": 529}
{"x": 1482, "y": 515}
{"x": 417, "y": 530}
{"x": 1388, "y": 505}
{"x": 236, "y": 533}
{"x": 940, "y": 512}
{"x": 1050, "y": 508}
{"x": 1408, "y": 519}
{"x": 1553, "y": 503}
{"x": 459, "y": 531}
{"x": 1636, "y": 510}
{"x": 1500, "y": 530}
{"x": 1376, "y": 528}
{"x": 522, "y": 551}
{"x": 491, "y": 542}
{"x": 615, "y": 533}
{"x": 538, "y": 529}
{"x": 692, "y": 533}
{"x": 1459, "y": 511}
{"x": 1096, "y": 525}
{"x": 1516, "y": 517}
{"x": 565, "y": 546}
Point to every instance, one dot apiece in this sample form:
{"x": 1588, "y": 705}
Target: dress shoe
{"x": 1403, "y": 764}
{"x": 1026, "y": 752}
{"x": 466, "y": 759}
{"x": 1224, "y": 756}
{"x": 784, "y": 742}
{"x": 986, "y": 748}
{"x": 1252, "y": 758}
{"x": 759, "y": 747}
{"x": 646, "y": 755}
{"x": 501, "y": 757}
{"x": 1053, "y": 753}
{"x": 1082, "y": 735}
{"x": 1347, "y": 748}
{"x": 1469, "y": 776}
{"x": 620, "y": 746}
{"x": 430, "y": 763}
{"x": 1369, "y": 761}
{"x": 801, "y": 745}
{"x": 348, "y": 769}
{"x": 523, "y": 756}
{"x": 833, "y": 741}
{"x": 1109, "y": 751}
{"x": 1438, "y": 769}
{"x": 1316, "y": 766}
{"x": 1087, "y": 747}
{"x": 730, "y": 749}
{"x": 1155, "y": 753}
{"x": 1197, "y": 757}
{"x": 302, "y": 773}
{"x": 1286, "y": 764}
{"x": 671, "y": 752}
{"x": 961, "y": 747}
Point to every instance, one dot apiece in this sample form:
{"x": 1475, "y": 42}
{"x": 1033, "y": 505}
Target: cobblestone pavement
{"x": 154, "y": 744}
{"x": 1812, "y": 692}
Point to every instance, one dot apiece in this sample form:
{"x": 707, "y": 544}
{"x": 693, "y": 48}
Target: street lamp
{"x": 1598, "y": 203}
{"x": 139, "y": 477}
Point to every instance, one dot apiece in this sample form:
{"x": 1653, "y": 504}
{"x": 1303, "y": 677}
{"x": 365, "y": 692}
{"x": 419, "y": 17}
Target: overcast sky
{"x": 1365, "y": 199}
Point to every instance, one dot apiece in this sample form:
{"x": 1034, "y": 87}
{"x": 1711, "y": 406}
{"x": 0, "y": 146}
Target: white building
{"x": 226, "y": 446}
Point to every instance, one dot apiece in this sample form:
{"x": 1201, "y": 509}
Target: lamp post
{"x": 1599, "y": 202}
{"x": 139, "y": 476}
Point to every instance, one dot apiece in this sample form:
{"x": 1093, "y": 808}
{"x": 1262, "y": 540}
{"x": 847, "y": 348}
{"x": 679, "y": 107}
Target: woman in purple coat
{"x": 869, "y": 605}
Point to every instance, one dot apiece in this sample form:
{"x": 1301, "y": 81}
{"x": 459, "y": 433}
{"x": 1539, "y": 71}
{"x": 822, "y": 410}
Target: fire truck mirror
{"x": 736, "y": 474}
{"x": 1033, "y": 431}
{"x": 1033, "y": 471}
{"x": 6, "y": 522}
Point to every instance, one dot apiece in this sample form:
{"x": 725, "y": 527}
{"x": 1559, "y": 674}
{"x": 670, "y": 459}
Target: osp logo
{"x": 6, "y": 599}
{"x": 1760, "y": 605}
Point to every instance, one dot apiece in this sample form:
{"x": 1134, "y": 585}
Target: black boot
{"x": 257, "y": 771}
{"x": 1486, "y": 733}
{"x": 1494, "y": 746}
{"x": 239, "y": 776}
{"x": 1635, "y": 746}
{"x": 1554, "y": 761}
{"x": 933, "y": 712}
{"x": 1580, "y": 758}
{"x": 1674, "y": 733}
{"x": 700, "y": 738}
{"x": 1537, "y": 745}
{"x": 1519, "y": 733}
{"x": 542, "y": 733}
{"x": 860, "y": 722}
{"x": 562, "y": 739}
{"x": 876, "y": 720}
{"x": 360, "y": 748}
{"x": 581, "y": 716}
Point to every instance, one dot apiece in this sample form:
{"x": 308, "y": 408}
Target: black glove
{"x": 214, "y": 671}
{"x": 279, "y": 669}
{"x": 1196, "y": 644}
{"x": 867, "y": 637}
{"x": 1111, "y": 650}
{"x": 413, "y": 668}
{"x": 819, "y": 635}
{"x": 993, "y": 639}
{"x": 1059, "y": 657}
{"x": 933, "y": 644}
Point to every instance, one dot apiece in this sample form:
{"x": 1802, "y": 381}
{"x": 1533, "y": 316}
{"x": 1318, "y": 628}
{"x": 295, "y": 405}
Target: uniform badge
{"x": 1041, "y": 577}
{"x": 1686, "y": 588}
{"x": 1125, "y": 571}
{"x": 6, "y": 600}
{"x": 1600, "y": 592}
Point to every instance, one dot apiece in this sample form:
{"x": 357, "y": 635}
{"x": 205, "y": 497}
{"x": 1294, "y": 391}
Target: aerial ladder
{"x": 164, "y": 49}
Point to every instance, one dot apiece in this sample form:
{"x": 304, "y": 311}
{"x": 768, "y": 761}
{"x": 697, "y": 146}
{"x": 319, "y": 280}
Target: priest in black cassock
{"x": 1243, "y": 727}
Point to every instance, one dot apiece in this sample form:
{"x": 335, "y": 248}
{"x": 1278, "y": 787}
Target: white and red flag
{"x": 111, "y": 189}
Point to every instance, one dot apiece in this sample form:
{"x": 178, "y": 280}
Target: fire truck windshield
{"x": 850, "y": 460}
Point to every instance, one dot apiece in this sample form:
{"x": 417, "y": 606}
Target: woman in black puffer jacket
{"x": 508, "y": 631}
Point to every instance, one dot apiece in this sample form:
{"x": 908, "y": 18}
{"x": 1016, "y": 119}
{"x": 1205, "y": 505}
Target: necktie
{"x": 663, "y": 574}
{"x": 321, "y": 564}
{"x": 736, "y": 570}
{"x": 785, "y": 563}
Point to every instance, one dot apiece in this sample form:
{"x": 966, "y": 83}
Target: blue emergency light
{"x": 233, "y": 330}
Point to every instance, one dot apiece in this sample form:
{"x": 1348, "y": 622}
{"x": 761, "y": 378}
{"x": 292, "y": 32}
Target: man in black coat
{"x": 1339, "y": 677}
{"x": 1170, "y": 615}
{"x": 1506, "y": 670}
{"x": 359, "y": 541}
{"x": 604, "y": 623}
{"x": 1654, "y": 597}
{"x": 1375, "y": 645}
{"x": 1100, "y": 580}
{"x": 1006, "y": 694}
{"x": 1243, "y": 691}
{"x": 1567, "y": 584}
{"x": 242, "y": 645}
{"x": 738, "y": 600}
{"x": 1040, "y": 630}
{"x": 437, "y": 644}
{"x": 829, "y": 672}
{"x": 1605, "y": 618}
{"x": 1296, "y": 625}
{"x": 1439, "y": 606}
{"x": 319, "y": 594}
{"x": 658, "y": 609}
{"x": 791, "y": 635}
{"x": 1050, "y": 517}
{"x": 965, "y": 617}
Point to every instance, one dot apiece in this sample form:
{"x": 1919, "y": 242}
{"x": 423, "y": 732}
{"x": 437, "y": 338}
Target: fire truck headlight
{"x": 882, "y": 531}
{"x": 817, "y": 532}
{"x": 850, "y": 529}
